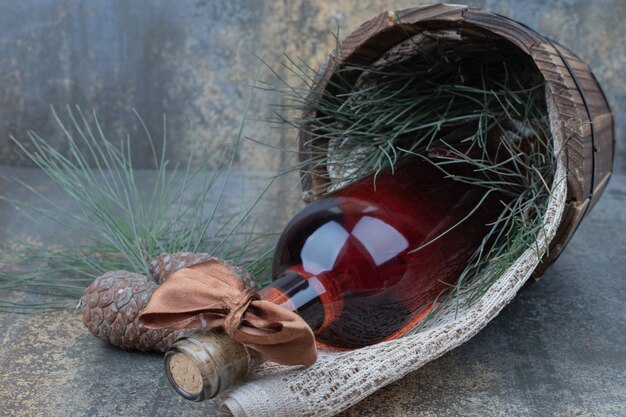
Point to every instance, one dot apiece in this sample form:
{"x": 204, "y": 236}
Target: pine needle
{"x": 122, "y": 222}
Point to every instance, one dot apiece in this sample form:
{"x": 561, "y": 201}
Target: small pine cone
{"x": 166, "y": 263}
{"x": 110, "y": 306}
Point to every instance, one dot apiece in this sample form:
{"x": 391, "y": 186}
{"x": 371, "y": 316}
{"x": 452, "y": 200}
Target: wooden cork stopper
{"x": 185, "y": 373}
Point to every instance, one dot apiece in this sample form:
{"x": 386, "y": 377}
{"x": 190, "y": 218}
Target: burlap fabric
{"x": 339, "y": 380}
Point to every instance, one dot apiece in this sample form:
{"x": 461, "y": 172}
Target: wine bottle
{"x": 361, "y": 265}
{"x": 365, "y": 264}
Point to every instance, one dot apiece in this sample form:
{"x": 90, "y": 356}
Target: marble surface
{"x": 194, "y": 60}
{"x": 557, "y": 350}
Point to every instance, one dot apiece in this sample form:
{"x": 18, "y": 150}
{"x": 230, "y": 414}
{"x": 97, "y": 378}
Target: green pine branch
{"x": 120, "y": 222}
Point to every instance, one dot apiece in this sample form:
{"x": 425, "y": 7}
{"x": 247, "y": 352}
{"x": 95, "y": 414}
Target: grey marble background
{"x": 557, "y": 350}
{"x": 194, "y": 60}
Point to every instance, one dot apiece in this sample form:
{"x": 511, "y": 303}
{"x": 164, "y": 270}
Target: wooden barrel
{"x": 579, "y": 109}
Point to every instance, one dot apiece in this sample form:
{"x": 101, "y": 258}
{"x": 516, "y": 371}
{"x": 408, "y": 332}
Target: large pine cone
{"x": 110, "y": 308}
{"x": 111, "y": 304}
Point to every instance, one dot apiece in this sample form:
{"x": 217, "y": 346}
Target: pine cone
{"x": 111, "y": 304}
{"x": 163, "y": 265}
{"x": 110, "y": 307}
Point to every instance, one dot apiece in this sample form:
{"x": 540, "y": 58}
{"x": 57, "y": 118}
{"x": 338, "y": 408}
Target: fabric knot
{"x": 209, "y": 295}
{"x": 237, "y": 306}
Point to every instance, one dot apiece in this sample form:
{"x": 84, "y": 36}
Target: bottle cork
{"x": 204, "y": 364}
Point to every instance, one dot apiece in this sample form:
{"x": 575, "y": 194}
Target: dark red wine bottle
{"x": 365, "y": 263}
{"x": 361, "y": 265}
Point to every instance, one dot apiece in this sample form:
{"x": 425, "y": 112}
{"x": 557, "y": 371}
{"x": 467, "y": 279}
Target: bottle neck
{"x": 205, "y": 363}
{"x": 305, "y": 296}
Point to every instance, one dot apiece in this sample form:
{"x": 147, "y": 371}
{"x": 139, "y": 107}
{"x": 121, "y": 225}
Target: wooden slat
{"x": 439, "y": 12}
{"x": 574, "y": 121}
{"x": 605, "y": 144}
{"x": 360, "y": 42}
{"x": 600, "y": 187}
{"x": 520, "y": 35}
{"x": 372, "y": 38}
{"x": 602, "y": 121}
{"x": 601, "y": 129}
{"x": 604, "y": 153}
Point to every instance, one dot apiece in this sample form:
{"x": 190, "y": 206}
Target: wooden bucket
{"x": 579, "y": 108}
